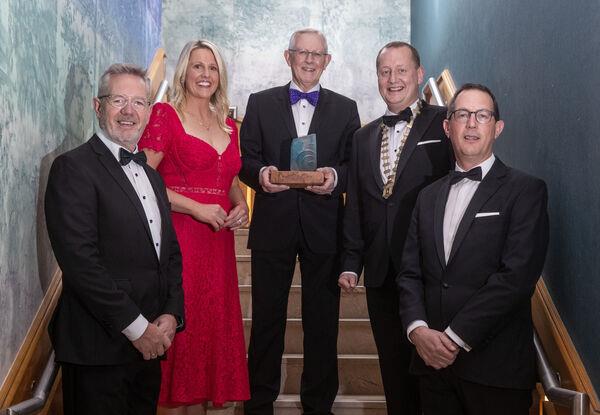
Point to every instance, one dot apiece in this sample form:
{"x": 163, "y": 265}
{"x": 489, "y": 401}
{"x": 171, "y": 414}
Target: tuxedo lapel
{"x": 422, "y": 122}
{"x": 320, "y": 109}
{"x": 286, "y": 110}
{"x": 487, "y": 188}
{"x": 375, "y": 152}
{"x": 438, "y": 219}
{"x": 109, "y": 162}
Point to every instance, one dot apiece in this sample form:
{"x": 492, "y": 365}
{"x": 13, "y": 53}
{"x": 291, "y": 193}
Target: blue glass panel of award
{"x": 303, "y": 154}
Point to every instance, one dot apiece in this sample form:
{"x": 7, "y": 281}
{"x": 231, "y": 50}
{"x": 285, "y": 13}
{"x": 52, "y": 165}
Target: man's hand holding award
{"x": 303, "y": 171}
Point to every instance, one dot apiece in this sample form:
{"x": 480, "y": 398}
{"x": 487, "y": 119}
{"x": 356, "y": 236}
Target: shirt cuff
{"x": 260, "y": 172}
{"x": 136, "y": 329}
{"x": 456, "y": 339}
{"x": 335, "y": 177}
{"x": 350, "y": 272}
{"x": 414, "y": 325}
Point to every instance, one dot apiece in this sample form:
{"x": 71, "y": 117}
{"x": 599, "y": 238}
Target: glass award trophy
{"x": 303, "y": 163}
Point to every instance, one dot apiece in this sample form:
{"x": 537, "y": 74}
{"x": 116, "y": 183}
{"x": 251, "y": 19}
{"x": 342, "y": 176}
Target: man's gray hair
{"x": 122, "y": 69}
{"x": 306, "y": 30}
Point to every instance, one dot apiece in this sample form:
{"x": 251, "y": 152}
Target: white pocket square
{"x": 420, "y": 143}
{"x": 484, "y": 214}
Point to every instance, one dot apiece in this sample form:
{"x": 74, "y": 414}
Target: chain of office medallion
{"x": 391, "y": 178}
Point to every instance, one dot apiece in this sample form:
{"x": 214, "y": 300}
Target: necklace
{"x": 205, "y": 126}
{"x": 198, "y": 120}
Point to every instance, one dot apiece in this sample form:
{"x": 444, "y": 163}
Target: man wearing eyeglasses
{"x": 474, "y": 252}
{"x": 108, "y": 220}
{"x": 393, "y": 157}
{"x": 296, "y": 223}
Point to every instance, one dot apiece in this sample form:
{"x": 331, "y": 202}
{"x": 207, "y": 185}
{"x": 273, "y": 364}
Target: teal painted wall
{"x": 51, "y": 54}
{"x": 542, "y": 60}
{"x": 253, "y": 34}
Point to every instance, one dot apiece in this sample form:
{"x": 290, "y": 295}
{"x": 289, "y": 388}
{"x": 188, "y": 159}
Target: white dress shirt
{"x": 145, "y": 192}
{"x": 459, "y": 197}
{"x": 394, "y": 139}
{"x": 303, "y": 112}
{"x": 394, "y": 143}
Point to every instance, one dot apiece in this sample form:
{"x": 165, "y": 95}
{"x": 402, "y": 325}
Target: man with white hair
{"x": 289, "y": 223}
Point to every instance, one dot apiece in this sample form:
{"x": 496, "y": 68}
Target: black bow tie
{"x": 125, "y": 157}
{"x": 391, "y": 120}
{"x": 473, "y": 174}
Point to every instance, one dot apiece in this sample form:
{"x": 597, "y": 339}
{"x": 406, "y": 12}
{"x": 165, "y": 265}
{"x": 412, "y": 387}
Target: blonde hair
{"x": 218, "y": 101}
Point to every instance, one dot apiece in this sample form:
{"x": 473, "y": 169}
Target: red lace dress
{"x": 207, "y": 361}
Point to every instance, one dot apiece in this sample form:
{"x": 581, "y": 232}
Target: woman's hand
{"x": 238, "y": 216}
{"x": 214, "y": 215}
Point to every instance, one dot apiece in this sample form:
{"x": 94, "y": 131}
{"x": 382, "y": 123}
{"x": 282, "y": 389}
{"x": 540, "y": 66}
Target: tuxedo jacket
{"x": 484, "y": 290}
{"x": 265, "y": 136}
{"x": 111, "y": 273}
{"x": 375, "y": 228}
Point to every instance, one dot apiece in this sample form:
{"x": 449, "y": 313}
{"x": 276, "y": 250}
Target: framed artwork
{"x": 232, "y": 112}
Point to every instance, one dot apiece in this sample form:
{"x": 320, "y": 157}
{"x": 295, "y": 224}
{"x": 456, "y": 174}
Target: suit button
{"x": 445, "y": 285}
{"x": 391, "y": 204}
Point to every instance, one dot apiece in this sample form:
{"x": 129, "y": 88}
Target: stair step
{"x": 343, "y": 405}
{"x": 289, "y": 404}
{"x": 245, "y": 274}
{"x": 360, "y": 391}
{"x": 241, "y": 241}
{"x": 352, "y": 305}
{"x": 358, "y": 374}
{"x": 355, "y": 336}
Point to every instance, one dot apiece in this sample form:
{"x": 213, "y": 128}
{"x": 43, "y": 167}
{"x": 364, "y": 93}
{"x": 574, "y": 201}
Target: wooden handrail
{"x": 445, "y": 89}
{"x": 27, "y": 368}
{"x": 559, "y": 347}
{"x": 157, "y": 70}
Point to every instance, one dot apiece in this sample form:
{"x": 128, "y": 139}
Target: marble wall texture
{"x": 51, "y": 54}
{"x": 252, "y": 36}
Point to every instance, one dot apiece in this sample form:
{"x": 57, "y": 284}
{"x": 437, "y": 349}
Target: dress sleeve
{"x": 160, "y": 131}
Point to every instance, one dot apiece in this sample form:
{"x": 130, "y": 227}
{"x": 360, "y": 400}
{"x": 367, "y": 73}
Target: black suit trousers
{"x": 272, "y": 274}
{"x": 394, "y": 349}
{"x": 443, "y": 393}
{"x": 129, "y": 389}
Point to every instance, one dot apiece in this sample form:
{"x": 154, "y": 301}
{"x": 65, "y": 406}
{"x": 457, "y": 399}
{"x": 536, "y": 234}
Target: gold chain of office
{"x": 390, "y": 173}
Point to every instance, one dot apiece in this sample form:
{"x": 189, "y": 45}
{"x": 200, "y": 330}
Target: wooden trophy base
{"x": 297, "y": 179}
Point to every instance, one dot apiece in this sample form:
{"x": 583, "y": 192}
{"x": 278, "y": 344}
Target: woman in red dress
{"x": 194, "y": 146}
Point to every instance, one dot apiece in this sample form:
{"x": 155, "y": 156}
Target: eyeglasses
{"x": 463, "y": 116}
{"x": 120, "y": 101}
{"x": 304, "y": 54}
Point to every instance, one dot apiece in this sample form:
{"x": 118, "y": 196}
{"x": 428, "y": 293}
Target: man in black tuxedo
{"x": 474, "y": 252}
{"x": 109, "y": 223}
{"x": 393, "y": 158}
{"x": 296, "y": 222}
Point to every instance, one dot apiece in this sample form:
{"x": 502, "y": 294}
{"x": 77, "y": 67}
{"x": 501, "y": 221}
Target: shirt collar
{"x": 413, "y": 107}
{"x": 486, "y": 166}
{"x": 112, "y": 146}
{"x": 293, "y": 85}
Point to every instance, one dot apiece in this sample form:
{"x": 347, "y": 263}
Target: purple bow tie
{"x": 311, "y": 97}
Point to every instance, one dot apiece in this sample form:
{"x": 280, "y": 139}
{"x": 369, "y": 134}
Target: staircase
{"x": 360, "y": 391}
